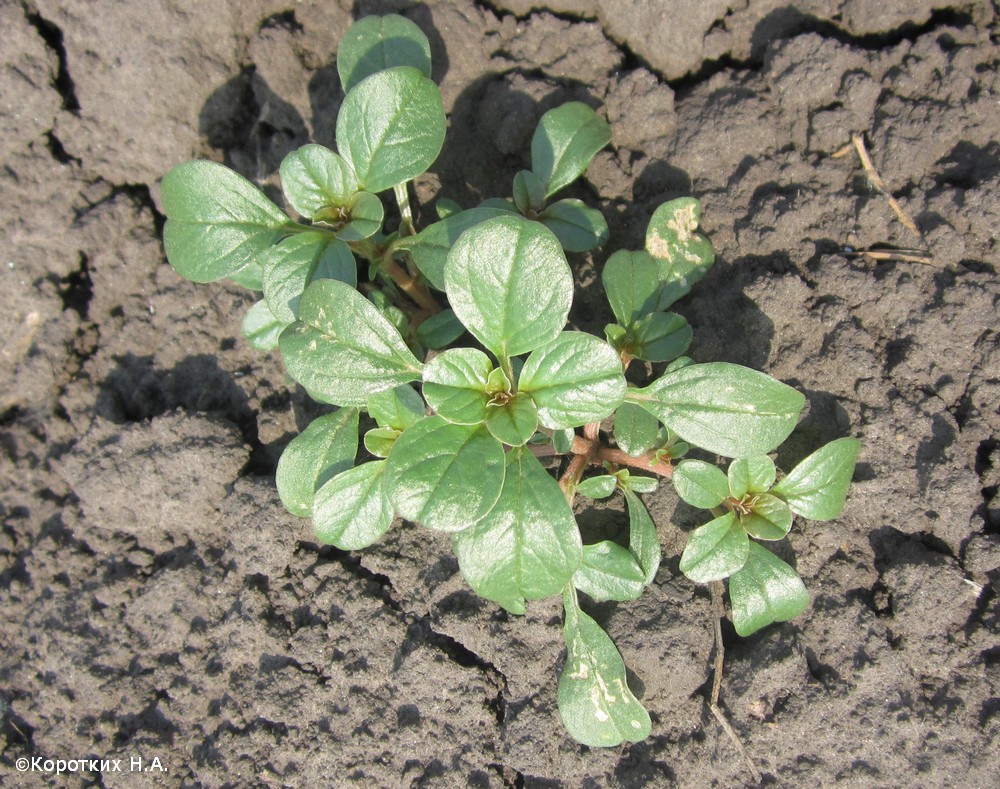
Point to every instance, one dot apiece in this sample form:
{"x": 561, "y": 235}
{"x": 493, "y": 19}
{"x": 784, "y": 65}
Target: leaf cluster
{"x": 445, "y": 353}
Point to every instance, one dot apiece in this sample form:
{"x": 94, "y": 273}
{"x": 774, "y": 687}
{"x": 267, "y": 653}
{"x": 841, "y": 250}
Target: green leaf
{"x": 430, "y": 247}
{"x": 250, "y": 277}
{"x": 766, "y": 590}
{"x": 380, "y": 440}
{"x": 298, "y": 260}
{"x": 636, "y": 430}
{"x": 598, "y": 487}
{"x": 376, "y": 43}
{"x": 817, "y": 487}
{"x": 529, "y": 192}
{"x": 444, "y": 476}
{"x": 660, "y": 337}
{"x": 638, "y": 484}
{"x": 562, "y": 440}
{"x": 455, "y": 385}
{"x": 595, "y": 703}
{"x": 440, "y": 330}
{"x": 350, "y": 510}
{"x": 343, "y": 351}
{"x": 643, "y": 540}
{"x": 314, "y": 178}
{"x": 578, "y": 227}
{"x": 684, "y": 256}
{"x": 715, "y": 550}
{"x": 724, "y": 408}
{"x": 261, "y": 328}
{"x": 391, "y": 127}
{"x": 632, "y": 284}
{"x": 365, "y": 212}
{"x": 574, "y": 379}
{"x": 324, "y": 449}
{"x": 769, "y": 518}
{"x": 445, "y": 208}
{"x": 513, "y": 422}
{"x": 609, "y": 572}
{"x": 528, "y": 546}
{"x": 217, "y": 221}
{"x": 700, "y": 484}
{"x": 508, "y": 281}
{"x": 564, "y": 143}
{"x": 750, "y": 475}
{"x": 398, "y": 408}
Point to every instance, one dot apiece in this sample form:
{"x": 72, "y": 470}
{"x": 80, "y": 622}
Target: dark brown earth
{"x": 157, "y": 602}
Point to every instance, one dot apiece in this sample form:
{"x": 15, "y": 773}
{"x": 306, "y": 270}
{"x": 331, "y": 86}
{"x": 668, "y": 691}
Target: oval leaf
{"x": 684, "y": 256}
{"x": 715, "y": 550}
{"x": 513, "y": 422}
{"x": 564, "y": 142}
{"x": 444, "y": 476}
{"x": 595, "y": 702}
{"x": 574, "y": 379}
{"x": 769, "y": 518}
{"x": 700, "y": 484}
{"x": 724, "y": 408}
{"x": 609, "y": 572}
{"x": 217, "y": 221}
{"x": 643, "y": 540}
{"x": 314, "y": 178}
{"x": 636, "y": 430}
{"x": 397, "y": 408}
{"x": 376, "y": 43}
{"x": 508, "y": 281}
{"x": 598, "y": 487}
{"x": 440, "y": 330}
{"x": 291, "y": 265}
{"x": 817, "y": 487}
{"x": 365, "y": 213}
{"x": 324, "y": 449}
{"x": 661, "y": 337}
{"x": 766, "y": 590}
{"x": 455, "y": 385}
{"x": 342, "y": 350}
{"x": 751, "y": 475}
{"x": 391, "y": 127}
{"x": 261, "y": 328}
{"x": 528, "y": 546}
{"x": 578, "y": 227}
{"x": 632, "y": 284}
{"x": 350, "y": 510}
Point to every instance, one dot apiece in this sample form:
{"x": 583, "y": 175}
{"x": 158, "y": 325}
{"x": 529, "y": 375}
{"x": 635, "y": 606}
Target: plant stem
{"x": 410, "y": 285}
{"x": 406, "y": 227}
{"x": 604, "y": 454}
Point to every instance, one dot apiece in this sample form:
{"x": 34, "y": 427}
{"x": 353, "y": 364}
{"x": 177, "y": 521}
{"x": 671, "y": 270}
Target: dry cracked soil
{"x": 158, "y": 603}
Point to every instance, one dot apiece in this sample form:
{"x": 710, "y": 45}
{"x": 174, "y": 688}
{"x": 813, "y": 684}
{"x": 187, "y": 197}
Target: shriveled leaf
{"x": 261, "y": 328}
{"x": 314, "y": 177}
{"x": 528, "y": 546}
{"x": 660, "y": 337}
{"x": 455, "y": 385}
{"x": 376, "y": 43}
{"x": 595, "y": 702}
{"x": 769, "y": 517}
{"x": 513, "y": 422}
{"x": 398, "y": 408}
{"x": 564, "y": 142}
{"x": 342, "y": 350}
{"x": 817, "y": 487}
{"x": 391, "y": 127}
{"x": 636, "y": 430}
{"x": 508, "y": 281}
{"x": 324, "y": 449}
{"x": 724, "y": 408}
{"x": 632, "y": 284}
{"x": 700, "y": 484}
{"x": 430, "y": 247}
{"x": 765, "y": 590}
{"x": 291, "y": 265}
{"x": 444, "y": 476}
{"x": 578, "y": 227}
{"x": 609, "y": 572}
{"x": 716, "y": 550}
{"x": 351, "y": 510}
{"x": 643, "y": 540}
{"x": 574, "y": 379}
{"x": 598, "y": 487}
{"x": 440, "y": 330}
{"x": 684, "y": 255}
{"x": 217, "y": 221}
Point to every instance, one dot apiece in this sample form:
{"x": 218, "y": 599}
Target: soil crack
{"x": 52, "y": 35}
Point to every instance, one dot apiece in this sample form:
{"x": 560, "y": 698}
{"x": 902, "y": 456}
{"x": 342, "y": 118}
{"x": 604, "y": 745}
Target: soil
{"x": 158, "y": 603}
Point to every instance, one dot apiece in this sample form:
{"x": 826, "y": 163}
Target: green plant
{"x": 464, "y": 402}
